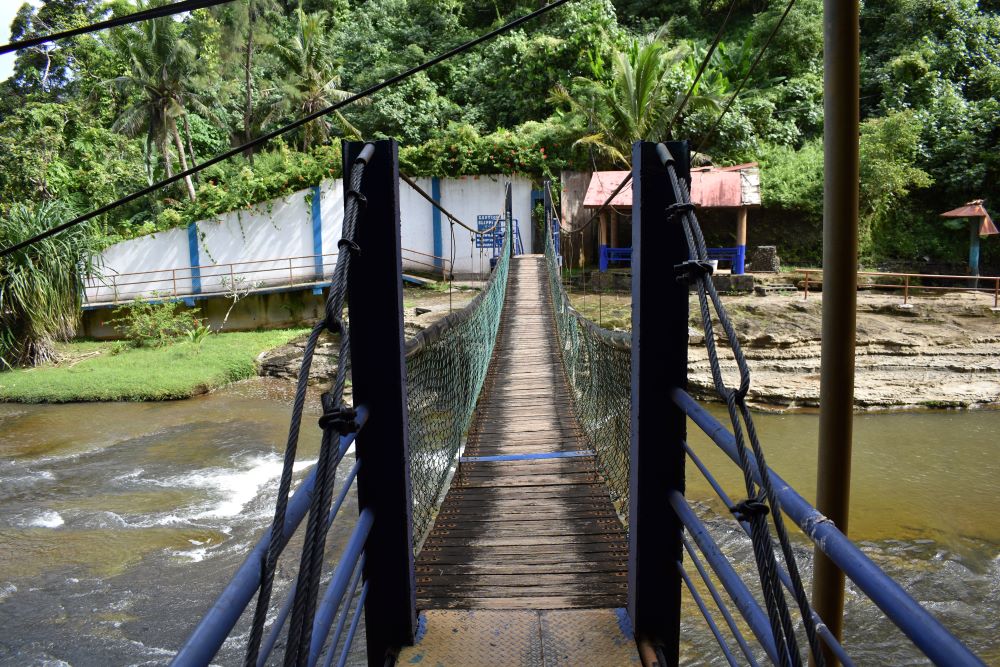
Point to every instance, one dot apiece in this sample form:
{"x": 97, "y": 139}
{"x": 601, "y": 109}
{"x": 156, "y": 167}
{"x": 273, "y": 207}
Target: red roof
{"x": 974, "y": 209}
{"x": 710, "y": 187}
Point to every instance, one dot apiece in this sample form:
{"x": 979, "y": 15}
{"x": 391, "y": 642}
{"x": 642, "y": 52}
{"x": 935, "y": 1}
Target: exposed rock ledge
{"x": 943, "y": 352}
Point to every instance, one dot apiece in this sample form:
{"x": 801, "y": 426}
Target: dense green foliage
{"x": 101, "y": 115}
{"x": 105, "y": 372}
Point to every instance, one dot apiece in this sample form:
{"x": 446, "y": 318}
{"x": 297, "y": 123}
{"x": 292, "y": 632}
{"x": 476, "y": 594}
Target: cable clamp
{"x": 360, "y": 198}
{"x": 692, "y": 271}
{"x": 351, "y": 245}
{"x": 677, "y": 210}
{"x": 341, "y": 418}
{"x": 746, "y": 510}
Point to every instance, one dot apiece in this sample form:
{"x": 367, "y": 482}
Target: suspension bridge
{"x": 520, "y": 471}
{"x": 520, "y": 474}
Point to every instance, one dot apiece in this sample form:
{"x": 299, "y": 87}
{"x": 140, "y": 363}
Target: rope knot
{"x": 692, "y": 271}
{"x": 677, "y": 210}
{"x": 332, "y": 321}
{"x": 350, "y": 245}
{"x": 341, "y": 418}
{"x": 746, "y": 510}
{"x": 358, "y": 197}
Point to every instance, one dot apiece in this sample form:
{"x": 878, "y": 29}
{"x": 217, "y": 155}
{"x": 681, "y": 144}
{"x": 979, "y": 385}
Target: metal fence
{"x": 598, "y": 365}
{"x": 908, "y": 283}
{"x": 446, "y": 366}
{"x": 245, "y": 276}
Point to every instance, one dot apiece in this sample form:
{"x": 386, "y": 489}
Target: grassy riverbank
{"x": 102, "y": 371}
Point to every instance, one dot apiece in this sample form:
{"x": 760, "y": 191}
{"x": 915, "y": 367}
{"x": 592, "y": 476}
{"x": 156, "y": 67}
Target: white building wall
{"x": 273, "y": 242}
{"x": 270, "y": 243}
{"x": 332, "y": 210}
{"x": 470, "y": 196}
{"x": 166, "y": 252}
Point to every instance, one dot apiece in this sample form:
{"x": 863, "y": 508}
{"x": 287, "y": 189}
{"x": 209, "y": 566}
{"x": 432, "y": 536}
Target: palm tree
{"x": 160, "y": 61}
{"x": 639, "y": 102}
{"x": 41, "y": 285}
{"x": 312, "y": 76}
{"x": 241, "y": 23}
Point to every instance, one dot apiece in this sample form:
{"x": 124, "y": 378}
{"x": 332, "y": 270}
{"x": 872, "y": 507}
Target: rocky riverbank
{"x": 944, "y": 351}
{"x": 421, "y": 308}
{"x": 941, "y": 352}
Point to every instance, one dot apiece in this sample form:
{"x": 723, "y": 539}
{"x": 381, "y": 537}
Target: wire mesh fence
{"x": 446, "y": 365}
{"x": 599, "y": 368}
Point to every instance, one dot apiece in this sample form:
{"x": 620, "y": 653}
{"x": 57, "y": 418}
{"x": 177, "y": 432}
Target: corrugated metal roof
{"x": 974, "y": 209}
{"x": 728, "y": 187}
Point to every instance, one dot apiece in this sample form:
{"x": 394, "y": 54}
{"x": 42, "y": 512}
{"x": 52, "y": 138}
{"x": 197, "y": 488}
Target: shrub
{"x": 154, "y": 324}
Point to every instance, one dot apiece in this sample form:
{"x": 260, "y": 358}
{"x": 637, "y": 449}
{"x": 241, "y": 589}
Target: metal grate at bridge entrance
{"x": 528, "y": 522}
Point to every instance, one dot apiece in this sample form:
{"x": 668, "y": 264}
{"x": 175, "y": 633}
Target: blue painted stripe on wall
{"x": 193, "y": 257}
{"x": 317, "y": 220}
{"x": 436, "y": 221}
{"x": 526, "y": 457}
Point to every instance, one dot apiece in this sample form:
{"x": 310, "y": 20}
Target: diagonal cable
{"x": 135, "y": 17}
{"x": 746, "y": 77}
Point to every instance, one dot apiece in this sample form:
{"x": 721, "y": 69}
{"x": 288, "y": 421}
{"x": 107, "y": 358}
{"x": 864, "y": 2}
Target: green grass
{"x": 89, "y": 371}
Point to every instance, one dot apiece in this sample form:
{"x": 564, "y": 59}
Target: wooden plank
{"x": 499, "y": 554}
{"x": 610, "y": 578}
{"x": 530, "y": 533}
{"x": 524, "y": 602}
{"x": 540, "y": 568}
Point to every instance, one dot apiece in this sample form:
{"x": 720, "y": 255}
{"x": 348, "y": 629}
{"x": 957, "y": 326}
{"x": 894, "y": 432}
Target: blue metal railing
{"x": 607, "y": 254}
{"x": 218, "y": 623}
{"x": 925, "y": 631}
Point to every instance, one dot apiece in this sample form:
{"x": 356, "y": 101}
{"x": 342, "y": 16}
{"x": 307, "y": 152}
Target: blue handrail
{"x": 821, "y": 628}
{"x": 730, "y": 579}
{"x": 286, "y": 608}
{"x": 215, "y": 626}
{"x": 335, "y": 592}
{"x": 925, "y": 631}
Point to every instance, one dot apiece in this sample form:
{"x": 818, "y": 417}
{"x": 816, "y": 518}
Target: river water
{"x": 119, "y": 523}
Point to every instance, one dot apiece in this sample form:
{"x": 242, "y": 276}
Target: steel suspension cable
{"x": 337, "y": 420}
{"x": 746, "y": 77}
{"x": 264, "y": 138}
{"x": 761, "y": 500}
{"x": 118, "y": 21}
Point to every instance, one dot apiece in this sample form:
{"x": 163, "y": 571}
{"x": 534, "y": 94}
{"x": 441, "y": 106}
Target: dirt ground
{"x": 943, "y": 351}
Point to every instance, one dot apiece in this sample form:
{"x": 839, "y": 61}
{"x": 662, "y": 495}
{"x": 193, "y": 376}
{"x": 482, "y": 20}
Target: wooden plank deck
{"x": 536, "y": 528}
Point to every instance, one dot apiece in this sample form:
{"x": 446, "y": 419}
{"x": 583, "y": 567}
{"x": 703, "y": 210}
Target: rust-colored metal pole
{"x": 841, "y": 54}
{"x": 805, "y": 294}
{"x": 906, "y": 289}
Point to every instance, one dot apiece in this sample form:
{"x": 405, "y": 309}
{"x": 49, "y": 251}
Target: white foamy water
{"x": 47, "y": 519}
{"x": 233, "y": 488}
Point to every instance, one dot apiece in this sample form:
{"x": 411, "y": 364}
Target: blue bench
{"x": 618, "y": 255}
{"x": 736, "y": 256}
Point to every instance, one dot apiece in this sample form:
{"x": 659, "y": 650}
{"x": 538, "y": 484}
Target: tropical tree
{"x": 245, "y": 30}
{"x": 41, "y": 285}
{"x": 160, "y": 63}
{"x": 639, "y": 102}
{"x": 312, "y": 76}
